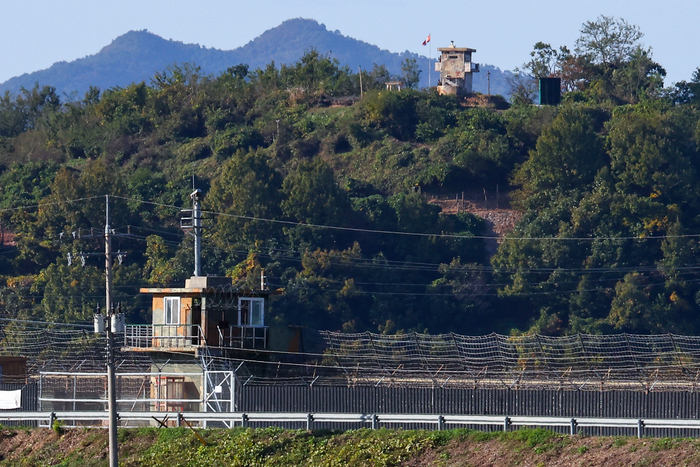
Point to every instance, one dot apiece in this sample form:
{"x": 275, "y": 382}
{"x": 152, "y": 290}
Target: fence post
{"x": 179, "y": 419}
{"x": 309, "y": 421}
{"x": 573, "y": 427}
{"x": 244, "y": 420}
{"x": 506, "y": 423}
{"x": 640, "y": 428}
{"x": 375, "y": 421}
{"x": 52, "y": 419}
{"x": 41, "y": 378}
{"x": 441, "y": 423}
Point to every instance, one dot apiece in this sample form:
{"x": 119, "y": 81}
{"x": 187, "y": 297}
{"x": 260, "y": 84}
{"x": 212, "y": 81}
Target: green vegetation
{"x": 263, "y": 144}
{"x": 607, "y": 184}
{"x": 152, "y": 447}
{"x": 236, "y": 447}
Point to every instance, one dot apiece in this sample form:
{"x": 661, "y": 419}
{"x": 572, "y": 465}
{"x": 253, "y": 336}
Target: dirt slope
{"x": 276, "y": 447}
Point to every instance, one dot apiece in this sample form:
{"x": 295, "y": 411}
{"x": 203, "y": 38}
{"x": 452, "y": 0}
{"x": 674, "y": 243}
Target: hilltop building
{"x": 456, "y": 68}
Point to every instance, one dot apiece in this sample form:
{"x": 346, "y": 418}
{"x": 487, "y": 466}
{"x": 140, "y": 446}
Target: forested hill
{"x": 330, "y": 195}
{"x": 137, "y": 55}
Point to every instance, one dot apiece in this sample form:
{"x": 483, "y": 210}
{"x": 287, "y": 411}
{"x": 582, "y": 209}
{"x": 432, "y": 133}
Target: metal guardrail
{"x": 243, "y": 336}
{"x": 163, "y": 335}
{"x": 46, "y": 419}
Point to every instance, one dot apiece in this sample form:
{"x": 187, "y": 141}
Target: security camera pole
{"x": 197, "y": 230}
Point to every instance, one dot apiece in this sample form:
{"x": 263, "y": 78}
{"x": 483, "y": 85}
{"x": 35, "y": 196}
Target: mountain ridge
{"x": 137, "y": 55}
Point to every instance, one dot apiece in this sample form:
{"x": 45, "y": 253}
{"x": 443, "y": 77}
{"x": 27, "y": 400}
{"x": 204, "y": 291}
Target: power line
{"x": 416, "y": 234}
{"x": 343, "y": 260}
{"x": 375, "y": 231}
{"x": 41, "y": 205}
{"x": 47, "y": 323}
{"x": 475, "y": 293}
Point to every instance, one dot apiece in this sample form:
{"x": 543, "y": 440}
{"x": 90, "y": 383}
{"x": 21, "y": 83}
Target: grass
{"x": 155, "y": 447}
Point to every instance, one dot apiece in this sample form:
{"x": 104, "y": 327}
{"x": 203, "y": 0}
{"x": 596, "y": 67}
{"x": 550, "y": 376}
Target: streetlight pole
{"x": 111, "y": 379}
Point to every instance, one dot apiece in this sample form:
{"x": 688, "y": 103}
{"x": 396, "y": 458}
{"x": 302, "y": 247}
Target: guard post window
{"x": 172, "y": 310}
{"x": 251, "y": 312}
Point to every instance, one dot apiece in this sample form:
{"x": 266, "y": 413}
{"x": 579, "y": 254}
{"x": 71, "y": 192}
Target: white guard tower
{"x": 456, "y": 68}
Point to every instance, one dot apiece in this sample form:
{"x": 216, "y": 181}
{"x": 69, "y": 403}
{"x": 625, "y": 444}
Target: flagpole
{"x": 430, "y": 58}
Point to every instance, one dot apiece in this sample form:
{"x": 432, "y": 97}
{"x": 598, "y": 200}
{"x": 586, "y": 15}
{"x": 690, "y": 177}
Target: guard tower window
{"x": 171, "y": 306}
{"x": 251, "y": 312}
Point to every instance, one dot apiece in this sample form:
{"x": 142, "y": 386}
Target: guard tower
{"x": 208, "y": 313}
{"x": 456, "y": 68}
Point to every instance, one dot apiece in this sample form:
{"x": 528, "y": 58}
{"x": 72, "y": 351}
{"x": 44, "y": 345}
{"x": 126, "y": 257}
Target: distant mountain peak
{"x": 138, "y": 41}
{"x": 301, "y": 23}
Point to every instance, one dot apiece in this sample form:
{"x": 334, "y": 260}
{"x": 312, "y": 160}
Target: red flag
{"x": 425, "y": 42}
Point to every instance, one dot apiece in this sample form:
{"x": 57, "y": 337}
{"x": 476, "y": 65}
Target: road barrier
{"x": 375, "y": 421}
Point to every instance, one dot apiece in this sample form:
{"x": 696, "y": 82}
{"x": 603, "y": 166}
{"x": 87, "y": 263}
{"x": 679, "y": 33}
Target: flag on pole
{"x": 425, "y": 42}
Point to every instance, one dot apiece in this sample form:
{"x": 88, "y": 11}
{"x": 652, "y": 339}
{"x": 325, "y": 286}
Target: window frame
{"x": 252, "y": 300}
{"x": 171, "y": 300}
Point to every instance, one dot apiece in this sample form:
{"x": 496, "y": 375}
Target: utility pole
{"x": 194, "y": 223}
{"x": 197, "y": 230}
{"x": 488, "y": 80}
{"x": 114, "y": 324}
{"x": 361, "y": 92}
{"x": 111, "y": 379}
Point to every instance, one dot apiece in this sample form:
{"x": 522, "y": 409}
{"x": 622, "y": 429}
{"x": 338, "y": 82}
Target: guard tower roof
{"x": 456, "y": 49}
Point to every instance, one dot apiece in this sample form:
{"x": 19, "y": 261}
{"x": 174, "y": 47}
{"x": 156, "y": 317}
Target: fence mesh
{"x": 582, "y": 361}
{"x": 621, "y": 361}
{"x": 67, "y": 350}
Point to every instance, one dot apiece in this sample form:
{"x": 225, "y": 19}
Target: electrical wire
{"x": 41, "y": 205}
{"x": 340, "y": 259}
{"x": 371, "y": 262}
{"x": 415, "y": 234}
{"x": 47, "y": 323}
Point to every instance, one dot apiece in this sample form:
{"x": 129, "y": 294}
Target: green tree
{"x": 410, "y": 73}
{"x": 649, "y": 155}
{"x": 312, "y": 196}
{"x": 162, "y": 266}
{"x": 316, "y": 72}
{"x": 246, "y": 189}
{"x": 568, "y": 154}
{"x": 639, "y": 77}
{"x": 394, "y": 112}
{"x": 608, "y": 40}
{"x": 70, "y": 293}
{"x": 687, "y": 92}
{"x": 631, "y": 307}
{"x": 377, "y": 78}
{"x": 546, "y": 61}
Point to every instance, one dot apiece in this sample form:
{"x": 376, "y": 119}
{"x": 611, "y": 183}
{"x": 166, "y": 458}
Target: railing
{"x": 374, "y": 421}
{"x": 244, "y": 337}
{"x": 95, "y": 384}
{"x": 163, "y": 335}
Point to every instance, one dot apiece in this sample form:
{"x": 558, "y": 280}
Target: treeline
{"x": 328, "y": 193}
{"x": 264, "y": 145}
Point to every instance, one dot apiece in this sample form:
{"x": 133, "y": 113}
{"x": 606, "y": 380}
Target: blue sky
{"x": 37, "y": 33}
